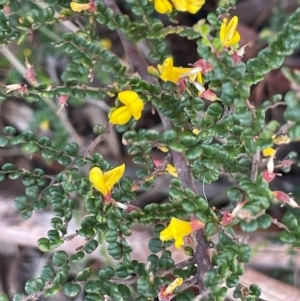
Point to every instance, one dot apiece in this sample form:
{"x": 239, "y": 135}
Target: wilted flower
{"x": 285, "y": 198}
{"x": 105, "y": 181}
{"x": 133, "y": 107}
{"x": 178, "y": 229}
{"x": 286, "y": 163}
{"x": 204, "y": 65}
{"x": 269, "y": 176}
{"x": 281, "y": 139}
{"x": 228, "y": 33}
{"x": 21, "y": 88}
{"x": 62, "y": 102}
{"x": 166, "y": 293}
{"x": 30, "y": 73}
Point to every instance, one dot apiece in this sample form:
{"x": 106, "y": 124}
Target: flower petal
{"x": 177, "y": 230}
{"x": 193, "y": 6}
{"x": 136, "y": 108}
{"x": 120, "y": 115}
{"x": 128, "y": 97}
{"x": 113, "y": 176}
{"x": 228, "y": 33}
{"x": 96, "y": 177}
{"x": 162, "y": 6}
{"x": 78, "y": 7}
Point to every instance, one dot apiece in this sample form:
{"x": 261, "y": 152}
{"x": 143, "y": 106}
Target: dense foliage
{"x": 210, "y": 130}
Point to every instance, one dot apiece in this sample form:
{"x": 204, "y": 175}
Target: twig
{"x": 202, "y": 259}
{"x": 97, "y": 140}
{"x": 280, "y": 225}
{"x": 276, "y": 104}
{"x": 255, "y": 164}
{"x": 22, "y": 70}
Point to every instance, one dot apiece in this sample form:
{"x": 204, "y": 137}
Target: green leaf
{"x": 31, "y": 147}
{"x": 32, "y": 192}
{"x": 111, "y": 236}
{"x": 92, "y": 297}
{"x": 232, "y": 280}
{"x": 215, "y": 109}
{"x": 44, "y": 244}
{"x": 188, "y": 205}
{"x": 71, "y": 289}
{"x": 235, "y": 195}
{"x": 76, "y": 257}
{"x": 34, "y": 285}
{"x": 9, "y": 130}
{"x": 287, "y": 237}
{"x": 3, "y": 142}
{"x": 64, "y": 160}
{"x": 186, "y": 295}
{"x": 165, "y": 263}
{"x": 294, "y": 132}
{"x": 84, "y": 275}
{"x": 106, "y": 273}
{"x": 59, "y": 258}
{"x": 155, "y": 245}
{"x": 21, "y": 202}
{"x": 51, "y": 291}
{"x": 264, "y": 221}
{"x": 290, "y": 221}
{"x": 71, "y": 148}
{"x": 211, "y": 228}
{"x": 47, "y": 272}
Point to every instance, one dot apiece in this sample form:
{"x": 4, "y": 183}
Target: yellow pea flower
{"x": 166, "y": 293}
{"x": 133, "y": 107}
{"x": 177, "y": 230}
{"x": 173, "y": 74}
{"x": 191, "y": 6}
{"x": 78, "y": 7}
{"x": 105, "y": 181}
{"x": 228, "y": 33}
{"x": 162, "y": 6}
{"x": 170, "y": 169}
{"x": 269, "y": 152}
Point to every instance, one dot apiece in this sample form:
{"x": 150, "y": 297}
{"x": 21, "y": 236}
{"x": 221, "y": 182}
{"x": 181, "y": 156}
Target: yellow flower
{"x": 78, "y": 7}
{"x": 228, "y": 33}
{"x": 177, "y": 230}
{"x": 170, "y": 73}
{"x": 133, "y": 107}
{"x": 269, "y": 152}
{"x": 105, "y": 181}
{"x": 195, "y": 131}
{"x": 191, "y": 6}
{"x": 163, "y": 6}
{"x": 171, "y": 287}
{"x": 170, "y": 169}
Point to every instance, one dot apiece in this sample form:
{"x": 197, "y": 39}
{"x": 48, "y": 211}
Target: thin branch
{"x": 280, "y": 225}
{"x": 14, "y": 61}
{"x": 276, "y": 104}
{"x": 255, "y": 165}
